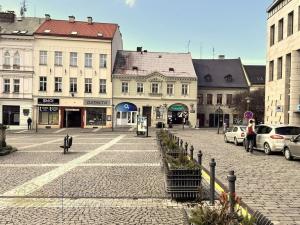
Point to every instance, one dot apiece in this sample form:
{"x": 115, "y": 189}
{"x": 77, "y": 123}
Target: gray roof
{"x": 274, "y": 4}
{"x": 256, "y": 74}
{"x": 145, "y": 63}
{"x": 29, "y": 24}
{"x": 223, "y": 73}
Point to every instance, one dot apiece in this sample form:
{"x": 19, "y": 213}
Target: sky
{"x": 206, "y": 28}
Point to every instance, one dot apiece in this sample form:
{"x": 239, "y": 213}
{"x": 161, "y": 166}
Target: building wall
{"x": 282, "y": 95}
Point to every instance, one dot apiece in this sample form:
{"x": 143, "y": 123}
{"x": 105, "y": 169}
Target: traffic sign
{"x": 248, "y": 115}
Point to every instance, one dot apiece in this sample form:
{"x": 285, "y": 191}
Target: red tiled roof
{"x": 83, "y": 29}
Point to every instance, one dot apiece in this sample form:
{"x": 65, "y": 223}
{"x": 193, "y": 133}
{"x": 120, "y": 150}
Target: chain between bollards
{"x": 212, "y": 165}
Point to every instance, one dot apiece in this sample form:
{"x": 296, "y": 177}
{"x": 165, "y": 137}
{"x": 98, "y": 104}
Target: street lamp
{"x": 248, "y": 100}
{"x": 219, "y": 110}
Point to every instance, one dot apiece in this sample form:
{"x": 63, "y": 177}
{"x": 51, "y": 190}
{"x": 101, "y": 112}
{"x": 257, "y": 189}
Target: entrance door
{"x": 201, "y": 118}
{"x": 72, "y": 118}
{"x": 147, "y": 112}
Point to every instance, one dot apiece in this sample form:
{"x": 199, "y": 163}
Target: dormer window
{"x": 135, "y": 68}
{"x": 171, "y": 69}
{"x": 74, "y": 32}
{"x": 47, "y": 31}
{"x": 228, "y": 78}
{"x": 208, "y": 78}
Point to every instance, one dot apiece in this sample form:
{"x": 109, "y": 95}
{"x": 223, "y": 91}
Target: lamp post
{"x": 112, "y": 117}
{"x": 248, "y": 100}
{"x": 219, "y": 109}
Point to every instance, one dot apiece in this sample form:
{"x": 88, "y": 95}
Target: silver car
{"x": 271, "y": 138}
{"x": 291, "y": 148}
{"x": 235, "y": 134}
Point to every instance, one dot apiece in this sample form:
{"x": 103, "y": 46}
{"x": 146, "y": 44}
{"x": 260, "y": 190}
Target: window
{"x": 209, "y": 99}
{"x": 102, "y": 86}
{"x": 219, "y": 99}
{"x": 58, "y": 84}
{"x": 124, "y": 87}
{"x": 88, "y": 85}
{"x": 288, "y": 65}
{"x": 43, "y": 83}
{"x": 154, "y": 88}
{"x": 48, "y": 115}
{"x": 290, "y": 30}
{"x": 73, "y": 85}
{"x": 228, "y": 78}
{"x": 96, "y": 116}
{"x": 228, "y": 99}
{"x": 271, "y": 71}
{"x": 16, "y": 64}
{"x": 58, "y": 59}
{"x": 16, "y": 85}
{"x": 184, "y": 89}
{"x": 43, "y": 57}
{"x": 170, "y": 89}
{"x": 88, "y": 60}
{"x": 6, "y": 60}
{"x": 103, "y": 60}
{"x": 279, "y": 68}
{"x": 272, "y": 35}
{"x": 11, "y": 115}
{"x": 6, "y": 85}
{"x": 208, "y": 78}
{"x": 280, "y": 30}
{"x": 73, "y": 58}
{"x": 158, "y": 112}
{"x": 200, "y": 99}
{"x": 140, "y": 88}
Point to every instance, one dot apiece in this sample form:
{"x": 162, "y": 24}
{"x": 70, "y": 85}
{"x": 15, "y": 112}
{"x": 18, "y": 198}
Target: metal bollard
{"x": 177, "y": 141}
{"x": 212, "y": 165}
{"x": 181, "y": 143}
{"x": 231, "y": 184}
{"x": 186, "y": 148}
{"x": 200, "y": 158}
{"x": 192, "y": 152}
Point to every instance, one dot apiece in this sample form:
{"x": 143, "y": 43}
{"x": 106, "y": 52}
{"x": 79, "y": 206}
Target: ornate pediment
{"x": 156, "y": 77}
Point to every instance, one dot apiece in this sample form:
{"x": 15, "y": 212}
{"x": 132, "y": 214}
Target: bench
{"x": 68, "y": 141}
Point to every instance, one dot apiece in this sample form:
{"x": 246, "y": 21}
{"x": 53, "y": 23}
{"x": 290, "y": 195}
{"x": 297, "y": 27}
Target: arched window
{"x": 6, "y": 59}
{"x": 16, "y": 64}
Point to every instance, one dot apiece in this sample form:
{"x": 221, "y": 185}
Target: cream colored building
{"x": 16, "y": 69}
{"x": 162, "y": 86}
{"x": 73, "y": 65}
{"x": 283, "y": 63}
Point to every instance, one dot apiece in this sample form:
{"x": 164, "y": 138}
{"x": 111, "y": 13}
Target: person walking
{"x": 250, "y": 136}
{"x": 29, "y": 122}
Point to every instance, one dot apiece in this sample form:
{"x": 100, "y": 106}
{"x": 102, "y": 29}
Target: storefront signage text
{"x": 48, "y": 109}
{"x": 48, "y": 101}
{"x": 97, "y": 102}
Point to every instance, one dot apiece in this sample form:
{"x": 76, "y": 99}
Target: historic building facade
{"x": 73, "y": 66}
{"x": 162, "y": 86}
{"x": 282, "y": 98}
{"x": 16, "y": 68}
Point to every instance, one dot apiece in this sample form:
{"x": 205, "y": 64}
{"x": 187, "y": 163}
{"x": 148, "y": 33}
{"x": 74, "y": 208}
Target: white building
{"x": 16, "y": 68}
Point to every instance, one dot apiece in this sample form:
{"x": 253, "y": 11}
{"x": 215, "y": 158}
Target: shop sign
{"x": 142, "y": 124}
{"x": 48, "y": 109}
{"x": 177, "y": 108}
{"x": 105, "y": 102}
{"x": 48, "y": 101}
{"x": 126, "y": 107}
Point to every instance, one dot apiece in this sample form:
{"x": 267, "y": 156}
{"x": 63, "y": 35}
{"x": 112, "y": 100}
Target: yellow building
{"x": 73, "y": 64}
{"x": 162, "y": 86}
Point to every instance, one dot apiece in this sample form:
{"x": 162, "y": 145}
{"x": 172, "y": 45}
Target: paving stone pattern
{"x": 269, "y": 184}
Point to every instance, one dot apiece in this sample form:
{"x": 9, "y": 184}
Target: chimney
{"x": 47, "y": 16}
{"x": 221, "y": 56}
{"x": 72, "y": 19}
{"x": 90, "y": 20}
{"x": 7, "y": 17}
{"x": 139, "y": 49}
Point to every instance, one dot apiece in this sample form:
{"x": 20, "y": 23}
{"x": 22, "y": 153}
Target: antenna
{"x": 213, "y": 56}
{"x": 23, "y": 8}
{"x": 188, "y": 46}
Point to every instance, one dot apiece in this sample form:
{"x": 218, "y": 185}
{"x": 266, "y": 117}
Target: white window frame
{"x": 170, "y": 87}
{"x": 184, "y": 89}
{"x": 88, "y": 60}
{"x": 58, "y": 58}
{"x": 140, "y": 87}
{"x": 73, "y": 58}
{"x": 73, "y": 85}
{"x": 6, "y": 61}
{"x": 16, "y": 60}
{"x": 43, "y": 83}
{"x": 43, "y": 57}
{"x": 16, "y": 85}
{"x": 58, "y": 84}
{"x": 88, "y": 85}
{"x": 102, "y": 86}
{"x": 103, "y": 60}
{"x": 155, "y": 88}
{"x": 125, "y": 87}
{"x": 6, "y": 85}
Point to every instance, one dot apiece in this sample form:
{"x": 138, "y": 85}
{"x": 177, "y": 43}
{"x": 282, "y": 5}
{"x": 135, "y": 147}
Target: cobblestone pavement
{"x": 106, "y": 178}
{"x": 269, "y": 184}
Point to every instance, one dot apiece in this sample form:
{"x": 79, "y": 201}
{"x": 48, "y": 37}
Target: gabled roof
{"x": 256, "y": 74}
{"x": 78, "y": 29}
{"x": 145, "y": 63}
{"x": 27, "y": 26}
{"x": 221, "y": 73}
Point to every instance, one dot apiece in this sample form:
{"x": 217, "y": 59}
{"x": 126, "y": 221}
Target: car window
{"x": 235, "y": 129}
{"x": 265, "y": 130}
{"x": 258, "y": 129}
{"x": 287, "y": 130}
{"x": 243, "y": 128}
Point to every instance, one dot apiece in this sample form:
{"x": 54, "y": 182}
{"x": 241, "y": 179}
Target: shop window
{"x": 11, "y": 115}
{"x": 159, "y": 115}
{"x": 48, "y": 115}
{"x": 96, "y": 116}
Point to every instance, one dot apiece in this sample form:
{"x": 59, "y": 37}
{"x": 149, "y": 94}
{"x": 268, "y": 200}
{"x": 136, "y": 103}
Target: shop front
{"x": 126, "y": 114}
{"x": 177, "y": 113}
{"x": 48, "y": 112}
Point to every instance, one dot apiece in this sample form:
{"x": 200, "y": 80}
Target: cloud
{"x": 130, "y": 3}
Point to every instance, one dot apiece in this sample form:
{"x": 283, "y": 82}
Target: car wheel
{"x": 287, "y": 154}
{"x": 235, "y": 141}
{"x": 267, "y": 149}
{"x": 225, "y": 139}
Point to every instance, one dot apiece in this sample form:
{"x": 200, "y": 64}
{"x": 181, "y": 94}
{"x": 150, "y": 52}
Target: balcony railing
{"x": 16, "y": 67}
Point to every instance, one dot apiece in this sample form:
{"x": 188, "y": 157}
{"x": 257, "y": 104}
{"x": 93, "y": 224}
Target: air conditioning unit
{"x": 278, "y": 108}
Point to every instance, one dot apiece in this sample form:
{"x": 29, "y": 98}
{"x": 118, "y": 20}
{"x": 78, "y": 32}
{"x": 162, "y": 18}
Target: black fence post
{"x": 181, "y": 143}
{"x": 192, "y": 152}
{"x": 186, "y": 148}
{"x": 231, "y": 184}
{"x": 200, "y": 158}
{"x": 177, "y": 141}
{"x": 212, "y": 165}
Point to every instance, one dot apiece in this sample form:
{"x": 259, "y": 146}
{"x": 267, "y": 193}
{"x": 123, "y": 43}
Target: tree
{"x": 256, "y": 104}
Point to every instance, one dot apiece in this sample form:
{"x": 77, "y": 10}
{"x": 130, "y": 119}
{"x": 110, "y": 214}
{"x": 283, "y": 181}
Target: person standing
{"x": 250, "y": 136}
{"x": 29, "y": 122}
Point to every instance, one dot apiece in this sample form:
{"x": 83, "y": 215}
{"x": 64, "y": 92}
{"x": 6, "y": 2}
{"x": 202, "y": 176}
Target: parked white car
{"x": 235, "y": 134}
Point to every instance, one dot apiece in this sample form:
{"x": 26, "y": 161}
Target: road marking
{"x": 21, "y": 165}
{"x": 39, "y": 144}
{"x": 38, "y": 182}
{"x": 20, "y": 132}
{"x": 130, "y": 151}
{"x": 97, "y": 129}
{"x": 59, "y": 131}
